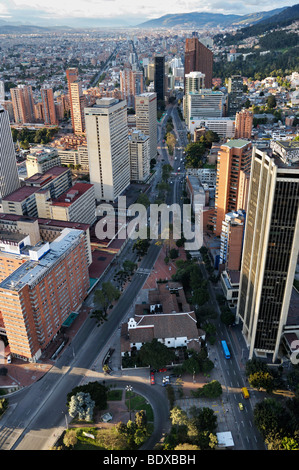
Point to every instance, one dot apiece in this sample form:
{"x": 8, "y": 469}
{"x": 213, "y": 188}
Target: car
{"x": 152, "y": 378}
{"x": 241, "y": 406}
{"x": 163, "y": 368}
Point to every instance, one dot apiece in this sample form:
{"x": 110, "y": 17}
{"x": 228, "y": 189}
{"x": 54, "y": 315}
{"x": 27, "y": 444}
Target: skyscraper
{"x": 233, "y": 163}
{"x": 198, "y": 58}
{"x": 139, "y": 156}
{"x": 9, "y": 179}
{"x": 2, "y": 92}
{"x": 77, "y": 100}
{"x": 235, "y": 94}
{"x": 49, "y": 112}
{"x": 131, "y": 84}
{"x": 270, "y": 252}
{"x": 243, "y": 124}
{"x": 146, "y": 119}
{"x": 108, "y": 151}
{"x": 159, "y": 77}
{"x": 23, "y": 104}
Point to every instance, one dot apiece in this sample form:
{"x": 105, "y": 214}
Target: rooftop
{"x": 40, "y": 179}
{"x": 236, "y": 143}
{"x": 20, "y": 194}
{"x": 30, "y": 271}
{"x": 71, "y": 195}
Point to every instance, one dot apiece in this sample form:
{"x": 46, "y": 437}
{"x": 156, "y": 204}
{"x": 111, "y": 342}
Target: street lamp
{"x": 129, "y": 389}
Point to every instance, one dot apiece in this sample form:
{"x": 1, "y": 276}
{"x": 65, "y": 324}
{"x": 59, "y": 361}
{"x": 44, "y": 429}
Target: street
{"x": 37, "y": 413}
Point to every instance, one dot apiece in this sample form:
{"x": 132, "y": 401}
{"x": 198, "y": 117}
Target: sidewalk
{"x": 22, "y": 374}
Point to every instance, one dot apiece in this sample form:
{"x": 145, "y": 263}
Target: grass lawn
{"x": 115, "y": 395}
{"x": 138, "y": 402}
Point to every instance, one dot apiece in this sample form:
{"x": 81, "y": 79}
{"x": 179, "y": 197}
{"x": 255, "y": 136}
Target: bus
{"x": 225, "y": 349}
{"x": 245, "y": 392}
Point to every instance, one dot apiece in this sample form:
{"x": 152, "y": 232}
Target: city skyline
{"x": 131, "y": 13}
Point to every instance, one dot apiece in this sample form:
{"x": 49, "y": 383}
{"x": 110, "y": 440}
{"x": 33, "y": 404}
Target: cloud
{"x": 25, "y": 10}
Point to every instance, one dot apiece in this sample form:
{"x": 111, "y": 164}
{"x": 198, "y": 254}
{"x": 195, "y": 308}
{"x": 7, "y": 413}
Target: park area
{"x": 124, "y": 424}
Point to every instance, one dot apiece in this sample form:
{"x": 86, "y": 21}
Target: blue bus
{"x": 225, "y": 349}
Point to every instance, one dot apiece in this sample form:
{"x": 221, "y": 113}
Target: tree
{"x": 97, "y": 391}
{"x": 204, "y": 418}
{"x": 143, "y": 199}
{"x": 178, "y": 417}
{"x": 261, "y": 379}
{"x": 70, "y": 438}
{"x": 141, "y": 246}
{"x": 106, "y": 295}
{"x": 141, "y": 419}
{"x": 210, "y": 390}
{"x": 82, "y": 405}
{"x": 271, "y": 102}
{"x": 156, "y": 354}
{"x": 194, "y": 154}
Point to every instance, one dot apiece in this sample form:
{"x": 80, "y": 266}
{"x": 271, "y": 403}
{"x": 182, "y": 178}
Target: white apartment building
{"x": 108, "y": 150}
{"x": 9, "y": 179}
{"x": 139, "y": 156}
{"x": 146, "y": 118}
{"x": 223, "y": 126}
{"x": 41, "y": 159}
{"x": 194, "y": 81}
{"x": 204, "y": 103}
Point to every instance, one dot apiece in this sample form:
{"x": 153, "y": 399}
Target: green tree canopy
{"x": 156, "y": 354}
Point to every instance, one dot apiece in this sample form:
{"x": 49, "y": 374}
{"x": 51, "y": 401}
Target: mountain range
{"x": 196, "y": 20}
{"x": 208, "y": 20}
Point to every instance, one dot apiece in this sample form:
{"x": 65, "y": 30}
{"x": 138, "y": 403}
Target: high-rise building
{"x": 198, "y": 58}
{"x": 39, "y": 296}
{"x": 9, "y": 179}
{"x": 131, "y": 84}
{"x": 159, "y": 77}
{"x": 139, "y": 156}
{"x": 2, "y": 91}
{"x": 233, "y": 163}
{"x": 146, "y": 119}
{"x": 235, "y": 94}
{"x": 270, "y": 253}
{"x": 204, "y": 103}
{"x": 77, "y": 108}
{"x": 108, "y": 151}
{"x": 194, "y": 81}
{"x": 76, "y": 99}
{"x": 243, "y": 124}
{"x": 23, "y": 104}
{"x": 231, "y": 240}
{"x": 49, "y": 112}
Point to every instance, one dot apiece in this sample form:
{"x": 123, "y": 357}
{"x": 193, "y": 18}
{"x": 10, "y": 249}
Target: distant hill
{"x": 207, "y": 20}
{"x": 279, "y": 20}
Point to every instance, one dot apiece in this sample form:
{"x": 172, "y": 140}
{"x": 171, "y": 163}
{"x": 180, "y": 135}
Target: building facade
{"x": 146, "y": 119}
{"x": 270, "y": 253}
{"x": 9, "y": 179}
{"x": 23, "y": 104}
{"x": 198, "y": 58}
{"x": 49, "y": 111}
{"x": 139, "y": 156}
{"x": 38, "y": 297}
{"x": 108, "y": 151}
{"x": 159, "y": 77}
{"x": 233, "y": 169}
{"x": 243, "y": 124}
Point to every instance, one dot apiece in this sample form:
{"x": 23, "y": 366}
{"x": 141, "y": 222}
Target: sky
{"x": 27, "y": 11}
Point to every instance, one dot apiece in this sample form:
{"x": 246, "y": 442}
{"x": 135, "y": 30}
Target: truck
{"x": 245, "y": 392}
